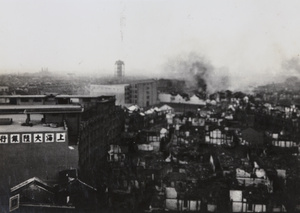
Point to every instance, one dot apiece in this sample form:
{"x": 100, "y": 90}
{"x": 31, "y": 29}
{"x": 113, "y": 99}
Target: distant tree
{"x": 239, "y": 95}
{"x": 228, "y": 94}
{"x": 252, "y": 99}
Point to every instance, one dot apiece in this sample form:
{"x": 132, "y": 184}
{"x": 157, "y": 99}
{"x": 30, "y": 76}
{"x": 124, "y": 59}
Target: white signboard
{"x": 3, "y": 138}
{"x": 60, "y": 137}
{"x": 49, "y": 137}
{"x": 38, "y": 138}
{"x": 26, "y": 138}
{"x": 15, "y": 138}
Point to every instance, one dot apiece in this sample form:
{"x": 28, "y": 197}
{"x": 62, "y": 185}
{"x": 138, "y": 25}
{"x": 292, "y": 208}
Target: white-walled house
{"x": 168, "y": 98}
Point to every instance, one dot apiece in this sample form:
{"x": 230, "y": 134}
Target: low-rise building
{"x": 219, "y": 136}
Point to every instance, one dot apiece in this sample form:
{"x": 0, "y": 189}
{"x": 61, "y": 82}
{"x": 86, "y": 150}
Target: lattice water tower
{"x": 120, "y": 69}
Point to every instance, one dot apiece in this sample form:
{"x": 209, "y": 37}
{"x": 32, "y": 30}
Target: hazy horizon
{"x": 250, "y": 42}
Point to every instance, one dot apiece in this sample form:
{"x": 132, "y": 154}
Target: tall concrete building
{"x": 101, "y": 125}
{"x": 142, "y": 92}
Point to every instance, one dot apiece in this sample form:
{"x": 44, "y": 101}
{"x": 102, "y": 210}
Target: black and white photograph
{"x": 149, "y": 106}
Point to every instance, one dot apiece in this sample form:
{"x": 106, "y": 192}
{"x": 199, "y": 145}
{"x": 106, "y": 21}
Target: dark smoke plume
{"x": 292, "y": 65}
{"x": 197, "y": 72}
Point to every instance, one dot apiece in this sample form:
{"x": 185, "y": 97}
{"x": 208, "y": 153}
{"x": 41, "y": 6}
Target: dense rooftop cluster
{"x": 195, "y": 152}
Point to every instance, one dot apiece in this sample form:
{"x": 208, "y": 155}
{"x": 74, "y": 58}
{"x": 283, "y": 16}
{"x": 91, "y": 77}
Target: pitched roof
{"x": 34, "y": 180}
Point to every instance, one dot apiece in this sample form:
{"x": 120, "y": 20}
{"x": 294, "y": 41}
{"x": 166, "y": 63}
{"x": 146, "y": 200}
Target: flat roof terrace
{"x": 37, "y": 125}
{"x": 54, "y": 95}
{"x": 40, "y": 109}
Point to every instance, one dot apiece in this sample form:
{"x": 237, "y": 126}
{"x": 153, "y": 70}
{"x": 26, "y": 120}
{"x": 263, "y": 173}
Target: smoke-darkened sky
{"x": 253, "y": 40}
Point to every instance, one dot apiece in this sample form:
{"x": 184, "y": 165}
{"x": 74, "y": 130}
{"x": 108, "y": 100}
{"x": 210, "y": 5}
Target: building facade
{"x": 120, "y": 91}
{"x": 101, "y": 125}
{"x": 142, "y": 93}
{"x": 42, "y": 135}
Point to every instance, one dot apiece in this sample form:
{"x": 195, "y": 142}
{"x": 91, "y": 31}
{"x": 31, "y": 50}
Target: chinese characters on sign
{"x": 4, "y": 139}
{"x": 26, "y": 138}
{"x": 60, "y": 137}
{"x": 14, "y": 138}
{"x": 49, "y": 137}
{"x": 38, "y": 138}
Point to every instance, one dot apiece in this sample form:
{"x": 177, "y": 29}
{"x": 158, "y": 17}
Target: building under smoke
{"x": 199, "y": 74}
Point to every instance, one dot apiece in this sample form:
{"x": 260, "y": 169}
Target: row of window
{"x": 218, "y": 140}
{"x": 3, "y": 89}
{"x": 284, "y": 143}
{"x": 34, "y": 100}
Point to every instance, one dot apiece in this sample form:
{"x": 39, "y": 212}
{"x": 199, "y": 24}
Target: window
{"x": 24, "y": 100}
{"x": 185, "y": 203}
{"x": 86, "y": 100}
{"x": 37, "y": 100}
{"x": 250, "y": 207}
{"x": 14, "y": 202}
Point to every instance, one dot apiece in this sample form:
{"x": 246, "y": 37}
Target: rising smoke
{"x": 197, "y": 72}
{"x": 292, "y": 65}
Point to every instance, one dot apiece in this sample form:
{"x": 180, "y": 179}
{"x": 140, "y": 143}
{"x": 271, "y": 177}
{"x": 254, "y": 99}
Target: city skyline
{"x": 251, "y": 42}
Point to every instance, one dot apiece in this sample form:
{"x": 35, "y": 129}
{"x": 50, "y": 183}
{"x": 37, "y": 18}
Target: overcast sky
{"x": 250, "y": 39}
